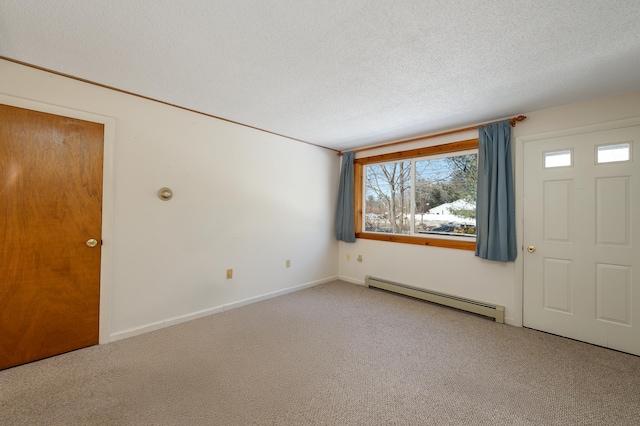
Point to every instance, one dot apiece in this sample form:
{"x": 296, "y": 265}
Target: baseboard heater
{"x": 481, "y": 308}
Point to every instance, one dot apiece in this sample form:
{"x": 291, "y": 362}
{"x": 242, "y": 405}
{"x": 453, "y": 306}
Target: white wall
{"x": 243, "y": 199}
{"x": 248, "y": 200}
{"x": 460, "y": 272}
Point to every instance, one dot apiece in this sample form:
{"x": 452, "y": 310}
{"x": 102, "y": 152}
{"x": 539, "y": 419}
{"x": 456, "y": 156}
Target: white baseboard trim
{"x": 277, "y": 293}
{"x": 351, "y": 280}
{"x": 120, "y": 335}
{"x": 135, "y": 331}
{"x": 511, "y": 321}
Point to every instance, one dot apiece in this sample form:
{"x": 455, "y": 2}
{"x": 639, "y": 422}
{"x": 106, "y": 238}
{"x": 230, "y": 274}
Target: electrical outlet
{"x": 348, "y": 256}
{"x": 229, "y": 274}
{"x": 359, "y": 258}
{"x": 288, "y": 263}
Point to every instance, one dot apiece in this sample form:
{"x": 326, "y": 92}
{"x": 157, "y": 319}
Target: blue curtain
{"x": 344, "y": 211}
{"x": 495, "y": 208}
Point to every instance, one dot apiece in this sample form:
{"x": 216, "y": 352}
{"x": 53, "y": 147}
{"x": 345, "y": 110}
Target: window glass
{"x": 445, "y": 194}
{"x": 614, "y": 153}
{"x": 388, "y": 197}
{"x": 422, "y": 196}
{"x": 558, "y": 159}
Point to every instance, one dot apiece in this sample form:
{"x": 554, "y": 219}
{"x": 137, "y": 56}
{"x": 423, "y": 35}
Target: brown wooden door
{"x": 50, "y": 205}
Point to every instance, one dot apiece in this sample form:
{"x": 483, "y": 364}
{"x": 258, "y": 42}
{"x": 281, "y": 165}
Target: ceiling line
{"x": 159, "y": 101}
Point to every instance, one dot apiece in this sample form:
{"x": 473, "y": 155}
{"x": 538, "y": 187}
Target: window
{"x": 425, "y": 196}
{"x": 613, "y": 153}
{"x": 554, "y": 159}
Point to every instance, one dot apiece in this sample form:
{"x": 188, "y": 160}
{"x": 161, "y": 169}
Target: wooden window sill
{"x": 422, "y": 241}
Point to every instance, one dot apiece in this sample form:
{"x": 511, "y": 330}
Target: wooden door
{"x": 50, "y": 206}
{"x": 580, "y": 196}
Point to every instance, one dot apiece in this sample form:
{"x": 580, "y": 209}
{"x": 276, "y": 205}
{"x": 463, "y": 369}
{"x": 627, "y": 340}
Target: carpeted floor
{"x": 334, "y": 354}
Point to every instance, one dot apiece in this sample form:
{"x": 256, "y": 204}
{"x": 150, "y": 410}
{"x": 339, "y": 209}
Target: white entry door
{"x": 582, "y": 237}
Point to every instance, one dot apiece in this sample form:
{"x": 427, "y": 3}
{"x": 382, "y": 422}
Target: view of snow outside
{"x": 442, "y": 192}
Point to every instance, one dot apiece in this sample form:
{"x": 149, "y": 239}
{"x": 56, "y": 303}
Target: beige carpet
{"x": 335, "y": 354}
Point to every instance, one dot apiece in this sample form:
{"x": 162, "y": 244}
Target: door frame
{"x": 106, "y": 258}
{"x": 519, "y": 189}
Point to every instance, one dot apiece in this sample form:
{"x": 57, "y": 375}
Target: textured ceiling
{"x": 340, "y": 74}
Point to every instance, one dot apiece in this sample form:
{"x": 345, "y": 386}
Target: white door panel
{"x": 580, "y": 282}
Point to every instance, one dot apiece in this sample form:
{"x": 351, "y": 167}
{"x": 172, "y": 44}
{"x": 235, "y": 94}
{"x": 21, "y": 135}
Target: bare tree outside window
{"x": 443, "y": 192}
{"x": 388, "y": 194}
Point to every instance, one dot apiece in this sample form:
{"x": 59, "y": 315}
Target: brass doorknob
{"x": 531, "y": 249}
{"x": 92, "y": 242}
